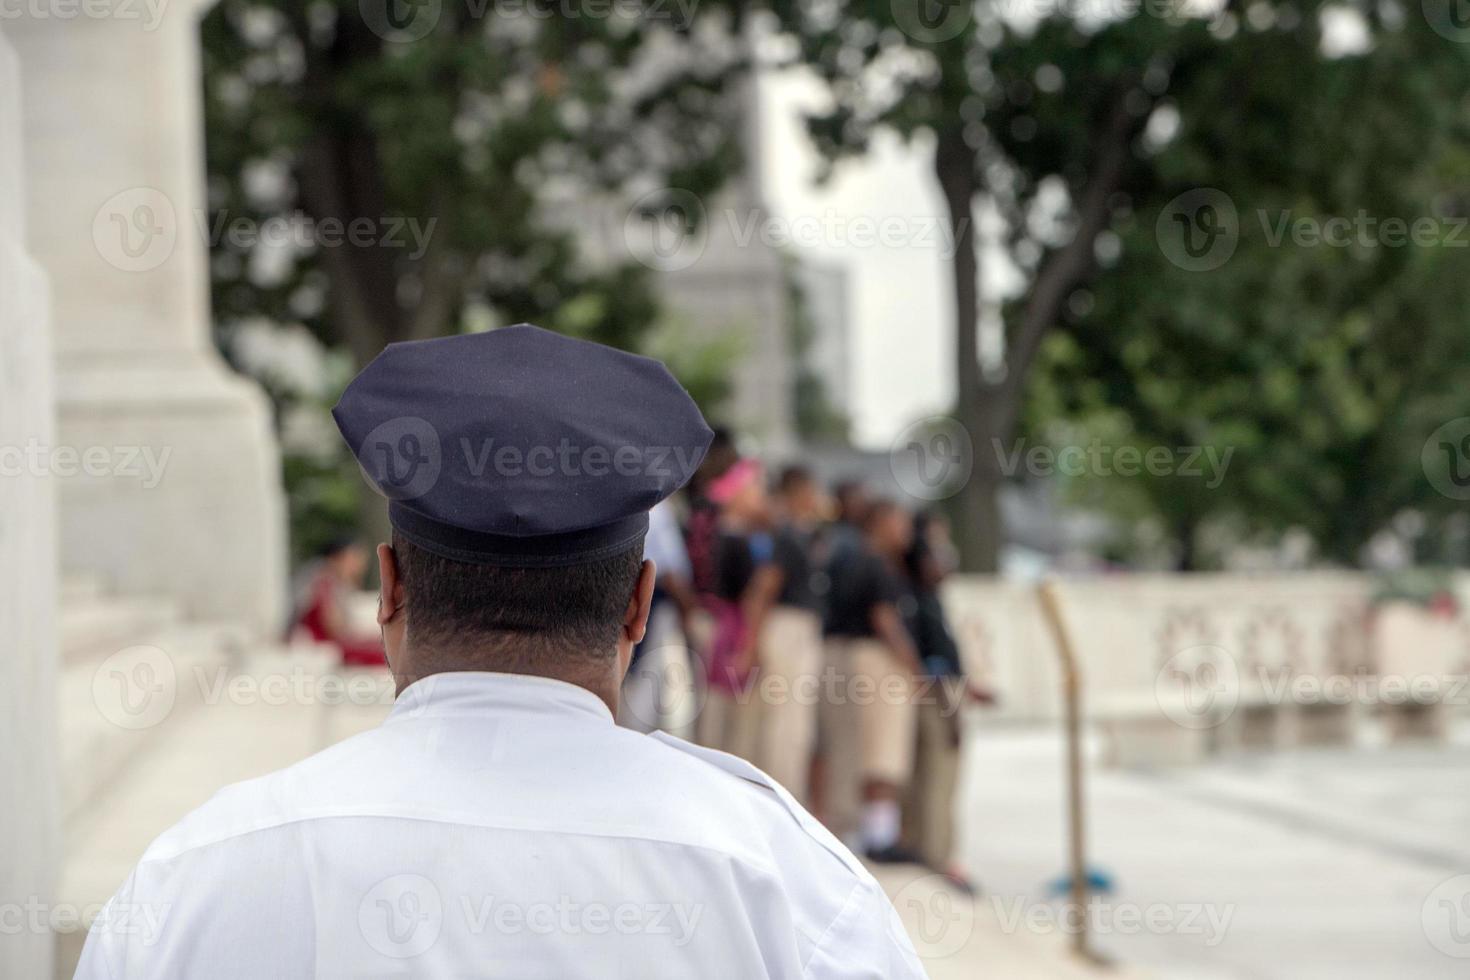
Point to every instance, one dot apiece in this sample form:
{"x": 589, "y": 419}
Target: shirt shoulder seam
{"x": 287, "y": 821}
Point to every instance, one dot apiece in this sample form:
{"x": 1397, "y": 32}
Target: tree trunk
{"x": 978, "y": 532}
{"x": 1188, "y": 558}
{"x": 978, "y": 506}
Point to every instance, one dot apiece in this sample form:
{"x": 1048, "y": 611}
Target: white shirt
{"x": 499, "y": 825}
{"x": 664, "y": 542}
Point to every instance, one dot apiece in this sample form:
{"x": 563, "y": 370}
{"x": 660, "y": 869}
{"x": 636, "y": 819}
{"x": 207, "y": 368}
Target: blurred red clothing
{"x": 323, "y": 609}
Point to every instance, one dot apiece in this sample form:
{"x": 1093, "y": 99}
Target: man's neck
{"x": 604, "y": 682}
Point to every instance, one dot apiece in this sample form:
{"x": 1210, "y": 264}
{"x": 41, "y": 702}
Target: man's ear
{"x": 390, "y": 589}
{"x": 635, "y": 618}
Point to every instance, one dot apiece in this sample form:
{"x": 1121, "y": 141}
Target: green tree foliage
{"x": 383, "y": 171}
{"x": 1327, "y": 346}
{"x": 467, "y": 139}
{"x": 1079, "y": 132}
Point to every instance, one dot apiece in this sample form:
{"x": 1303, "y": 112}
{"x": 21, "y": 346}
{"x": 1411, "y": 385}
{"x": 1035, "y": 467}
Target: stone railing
{"x": 1207, "y": 661}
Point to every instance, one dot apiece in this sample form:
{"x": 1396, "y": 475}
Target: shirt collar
{"x": 483, "y": 692}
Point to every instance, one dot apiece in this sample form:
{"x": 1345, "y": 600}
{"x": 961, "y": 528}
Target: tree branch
{"x": 1064, "y": 268}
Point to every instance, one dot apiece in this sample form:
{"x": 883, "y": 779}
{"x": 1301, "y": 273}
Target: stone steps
{"x": 94, "y": 626}
{"x": 128, "y": 666}
{"x": 80, "y": 586}
{"x": 234, "y": 726}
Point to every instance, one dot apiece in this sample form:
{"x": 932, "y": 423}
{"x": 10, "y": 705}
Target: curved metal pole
{"x": 1051, "y": 609}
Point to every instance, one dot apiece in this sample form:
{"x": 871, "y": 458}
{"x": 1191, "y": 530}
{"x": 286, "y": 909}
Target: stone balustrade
{"x": 1175, "y": 666}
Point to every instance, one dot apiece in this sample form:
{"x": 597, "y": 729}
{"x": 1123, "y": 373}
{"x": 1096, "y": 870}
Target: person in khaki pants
{"x": 731, "y": 718}
{"x": 867, "y": 714}
{"x": 929, "y": 809}
{"x": 787, "y": 629}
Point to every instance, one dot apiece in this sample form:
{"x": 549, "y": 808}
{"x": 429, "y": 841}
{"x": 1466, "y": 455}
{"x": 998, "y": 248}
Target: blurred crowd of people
{"x": 804, "y": 632}
{"x": 799, "y": 629}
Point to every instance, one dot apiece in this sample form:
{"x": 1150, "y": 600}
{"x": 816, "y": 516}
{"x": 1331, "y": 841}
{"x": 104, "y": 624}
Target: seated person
{"x": 323, "y": 612}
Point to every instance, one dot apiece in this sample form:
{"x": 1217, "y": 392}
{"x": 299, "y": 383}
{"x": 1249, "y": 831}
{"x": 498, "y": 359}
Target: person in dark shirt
{"x": 867, "y": 714}
{"x": 929, "y": 807}
{"x": 786, "y": 626}
{"x": 845, "y": 534}
{"x": 703, "y": 528}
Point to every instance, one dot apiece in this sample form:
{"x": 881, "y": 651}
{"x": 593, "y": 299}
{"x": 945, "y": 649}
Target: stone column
{"x": 170, "y": 478}
{"x": 28, "y": 810}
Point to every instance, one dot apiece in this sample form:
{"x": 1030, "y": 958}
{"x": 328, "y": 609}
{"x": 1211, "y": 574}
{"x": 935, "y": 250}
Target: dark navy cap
{"x": 520, "y": 446}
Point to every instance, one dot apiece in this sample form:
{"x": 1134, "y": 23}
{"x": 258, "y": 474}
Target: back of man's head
{"x": 493, "y": 617}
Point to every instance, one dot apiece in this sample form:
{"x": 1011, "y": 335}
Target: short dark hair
{"x": 516, "y": 614}
{"x": 851, "y": 500}
{"x": 793, "y": 477}
{"x": 719, "y": 457}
